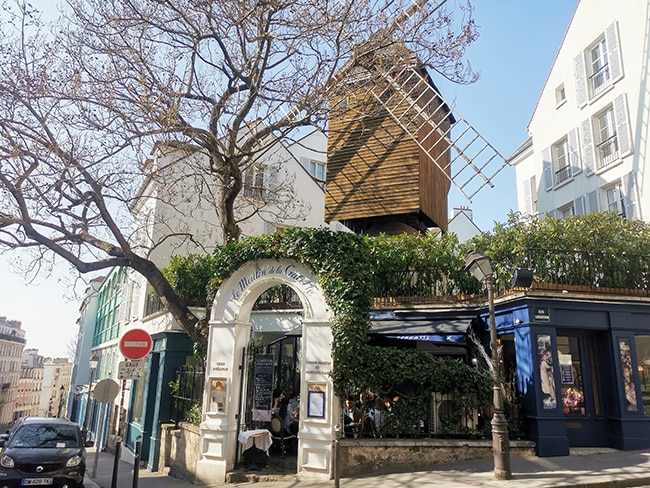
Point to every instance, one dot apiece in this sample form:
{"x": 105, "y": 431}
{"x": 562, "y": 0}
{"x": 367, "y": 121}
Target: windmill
{"x": 396, "y": 145}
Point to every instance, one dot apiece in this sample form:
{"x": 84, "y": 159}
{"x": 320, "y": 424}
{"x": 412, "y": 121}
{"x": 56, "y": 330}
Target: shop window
{"x": 573, "y": 398}
{"x": 628, "y": 375}
{"x": 643, "y": 367}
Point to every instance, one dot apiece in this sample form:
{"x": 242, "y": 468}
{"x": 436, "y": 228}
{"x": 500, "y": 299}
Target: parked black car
{"x": 43, "y": 452}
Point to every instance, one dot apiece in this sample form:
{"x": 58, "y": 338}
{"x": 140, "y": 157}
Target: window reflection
{"x": 643, "y": 358}
{"x": 573, "y": 398}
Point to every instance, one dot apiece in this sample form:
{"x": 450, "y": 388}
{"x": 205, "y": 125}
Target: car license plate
{"x": 36, "y": 481}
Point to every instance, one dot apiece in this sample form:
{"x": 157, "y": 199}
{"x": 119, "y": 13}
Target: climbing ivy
{"x": 352, "y": 269}
{"x": 594, "y": 250}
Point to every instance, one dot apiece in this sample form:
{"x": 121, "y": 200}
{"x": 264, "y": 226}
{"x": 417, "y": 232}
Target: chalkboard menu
{"x": 263, "y": 396}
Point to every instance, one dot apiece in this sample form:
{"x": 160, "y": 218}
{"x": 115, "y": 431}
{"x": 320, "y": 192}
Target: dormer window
{"x": 560, "y": 95}
{"x": 316, "y": 168}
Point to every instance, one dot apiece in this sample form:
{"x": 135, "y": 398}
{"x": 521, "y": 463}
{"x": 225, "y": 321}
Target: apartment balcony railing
{"x": 607, "y": 151}
{"x": 562, "y": 174}
{"x": 599, "y": 80}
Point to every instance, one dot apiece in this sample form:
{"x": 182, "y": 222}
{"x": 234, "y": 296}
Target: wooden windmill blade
{"x": 414, "y": 103}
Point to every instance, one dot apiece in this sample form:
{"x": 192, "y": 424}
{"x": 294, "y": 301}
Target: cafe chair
{"x": 280, "y": 435}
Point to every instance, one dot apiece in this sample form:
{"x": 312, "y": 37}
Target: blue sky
{"x": 514, "y": 53}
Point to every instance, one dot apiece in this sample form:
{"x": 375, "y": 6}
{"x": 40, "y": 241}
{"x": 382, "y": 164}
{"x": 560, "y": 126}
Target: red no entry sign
{"x": 135, "y": 344}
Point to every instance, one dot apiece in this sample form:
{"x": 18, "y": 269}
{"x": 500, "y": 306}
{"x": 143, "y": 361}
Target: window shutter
{"x": 613, "y": 52}
{"x": 305, "y": 162}
{"x": 630, "y": 197}
{"x": 269, "y": 177}
{"x": 548, "y": 168}
{"x": 622, "y": 126}
{"x": 272, "y": 176}
{"x": 269, "y": 228}
{"x": 553, "y": 214}
{"x": 574, "y": 152}
{"x": 581, "y": 79}
{"x": 594, "y": 203}
{"x": 136, "y": 309}
{"x": 588, "y": 146}
{"x": 579, "y": 206}
{"x": 526, "y": 197}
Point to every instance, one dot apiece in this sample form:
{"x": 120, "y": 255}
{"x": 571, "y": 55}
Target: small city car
{"x": 43, "y": 452}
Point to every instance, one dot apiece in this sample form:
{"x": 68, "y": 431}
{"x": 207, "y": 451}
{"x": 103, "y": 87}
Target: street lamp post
{"x": 479, "y": 265}
{"x": 61, "y": 393}
{"x": 92, "y": 362}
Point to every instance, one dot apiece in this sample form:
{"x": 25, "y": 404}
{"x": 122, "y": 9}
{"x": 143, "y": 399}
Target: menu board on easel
{"x": 263, "y": 387}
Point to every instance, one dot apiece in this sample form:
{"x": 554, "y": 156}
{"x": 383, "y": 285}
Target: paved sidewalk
{"x": 583, "y": 469}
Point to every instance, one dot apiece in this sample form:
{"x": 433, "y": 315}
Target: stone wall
{"x": 179, "y": 453}
{"x": 179, "y": 450}
{"x": 357, "y": 457}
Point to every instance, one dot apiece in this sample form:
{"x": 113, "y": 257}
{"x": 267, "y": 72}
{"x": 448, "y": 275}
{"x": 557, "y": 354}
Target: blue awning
{"x": 449, "y": 330}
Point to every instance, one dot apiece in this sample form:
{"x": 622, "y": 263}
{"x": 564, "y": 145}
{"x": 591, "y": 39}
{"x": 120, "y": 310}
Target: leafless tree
{"x": 84, "y": 101}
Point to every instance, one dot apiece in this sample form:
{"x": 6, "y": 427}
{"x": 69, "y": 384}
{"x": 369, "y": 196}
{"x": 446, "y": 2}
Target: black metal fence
{"x": 594, "y": 270}
{"x": 589, "y": 268}
{"x": 187, "y": 393}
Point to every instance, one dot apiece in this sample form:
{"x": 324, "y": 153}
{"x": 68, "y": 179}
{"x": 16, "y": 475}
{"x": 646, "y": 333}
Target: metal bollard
{"x": 337, "y": 437}
{"x": 116, "y": 461}
{"x": 136, "y": 461}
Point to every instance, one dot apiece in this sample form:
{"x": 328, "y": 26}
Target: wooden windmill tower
{"x": 395, "y": 146}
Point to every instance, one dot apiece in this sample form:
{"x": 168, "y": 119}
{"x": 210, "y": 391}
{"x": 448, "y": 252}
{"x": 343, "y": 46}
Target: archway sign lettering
{"x": 229, "y": 336}
{"x": 289, "y": 272}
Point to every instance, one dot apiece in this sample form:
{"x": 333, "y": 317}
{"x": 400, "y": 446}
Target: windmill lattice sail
{"x": 409, "y": 97}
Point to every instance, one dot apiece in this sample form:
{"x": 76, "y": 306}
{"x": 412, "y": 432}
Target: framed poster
{"x": 218, "y": 388}
{"x": 316, "y": 400}
{"x": 546, "y": 371}
{"x": 628, "y": 376}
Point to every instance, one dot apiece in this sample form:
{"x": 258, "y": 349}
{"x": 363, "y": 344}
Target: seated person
{"x": 377, "y": 414}
{"x": 352, "y": 415}
{"x": 282, "y": 409}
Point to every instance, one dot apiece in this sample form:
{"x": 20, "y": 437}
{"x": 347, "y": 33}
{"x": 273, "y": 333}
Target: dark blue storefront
{"x": 577, "y": 364}
{"x": 579, "y": 368}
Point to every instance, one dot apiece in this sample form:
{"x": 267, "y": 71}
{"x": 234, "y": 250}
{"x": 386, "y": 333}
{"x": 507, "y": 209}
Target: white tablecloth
{"x": 261, "y": 438}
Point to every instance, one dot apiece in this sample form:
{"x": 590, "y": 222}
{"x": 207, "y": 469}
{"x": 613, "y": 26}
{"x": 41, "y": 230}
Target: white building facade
{"x": 56, "y": 385}
{"x": 589, "y": 130}
{"x": 30, "y": 384}
{"x": 175, "y": 214}
{"x": 12, "y": 343}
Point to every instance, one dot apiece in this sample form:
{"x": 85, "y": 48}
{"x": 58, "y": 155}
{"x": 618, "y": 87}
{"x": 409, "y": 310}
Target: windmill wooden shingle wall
{"x": 378, "y": 177}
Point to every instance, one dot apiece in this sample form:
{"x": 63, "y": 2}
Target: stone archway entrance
{"x": 229, "y": 336}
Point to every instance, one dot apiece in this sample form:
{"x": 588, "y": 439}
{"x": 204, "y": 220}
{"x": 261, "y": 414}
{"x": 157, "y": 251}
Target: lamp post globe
{"x": 479, "y": 265}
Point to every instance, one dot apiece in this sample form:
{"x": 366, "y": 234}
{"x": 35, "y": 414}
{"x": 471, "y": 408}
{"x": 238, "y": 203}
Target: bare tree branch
{"x": 96, "y": 112}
